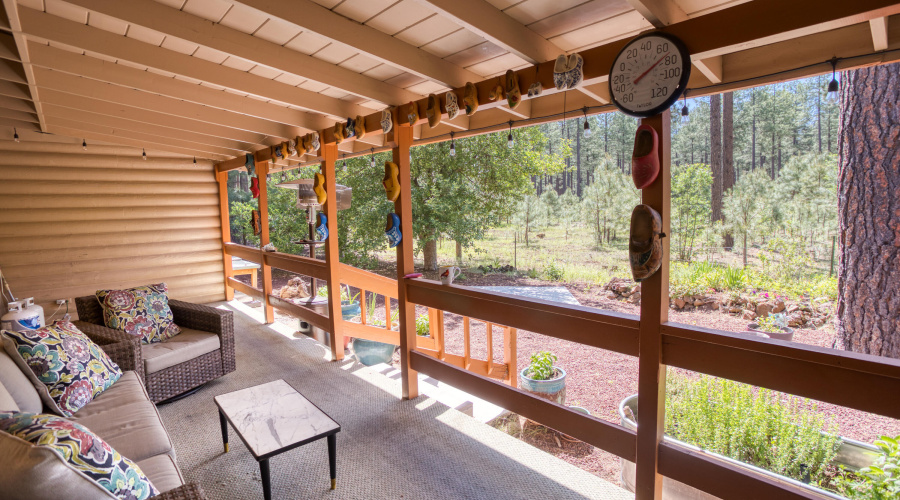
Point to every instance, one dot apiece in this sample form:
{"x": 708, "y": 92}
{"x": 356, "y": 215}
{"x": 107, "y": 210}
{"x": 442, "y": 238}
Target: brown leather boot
{"x": 644, "y": 246}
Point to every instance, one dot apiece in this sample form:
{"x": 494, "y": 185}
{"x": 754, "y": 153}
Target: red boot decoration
{"x": 645, "y": 158}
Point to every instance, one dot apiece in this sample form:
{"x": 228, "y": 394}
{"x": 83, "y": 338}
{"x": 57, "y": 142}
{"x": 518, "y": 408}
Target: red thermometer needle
{"x": 636, "y": 80}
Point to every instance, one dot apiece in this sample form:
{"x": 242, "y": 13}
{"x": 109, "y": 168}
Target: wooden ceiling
{"x": 217, "y": 78}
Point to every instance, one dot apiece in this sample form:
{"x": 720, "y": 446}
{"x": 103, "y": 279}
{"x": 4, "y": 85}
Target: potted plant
{"x": 349, "y": 305}
{"x": 774, "y": 326}
{"x": 544, "y": 379}
{"x": 370, "y": 352}
{"x": 423, "y": 325}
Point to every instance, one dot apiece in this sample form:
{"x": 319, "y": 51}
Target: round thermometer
{"x": 649, "y": 74}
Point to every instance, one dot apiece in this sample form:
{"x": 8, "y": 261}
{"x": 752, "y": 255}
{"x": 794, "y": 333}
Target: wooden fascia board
{"x": 50, "y": 27}
{"x": 376, "y": 44}
{"x": 164, "y": 19}
{"x": 492, "y": 24}
{"x": 256, "y": 114}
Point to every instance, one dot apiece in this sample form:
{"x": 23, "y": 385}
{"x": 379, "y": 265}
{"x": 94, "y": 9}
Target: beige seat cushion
{"x": 185, "y": 346}
{"x": 7, "y": 403}
{"x": 162, "y": 472}
{"x": 126, "y": 419}
{"x": 19, "y": 387}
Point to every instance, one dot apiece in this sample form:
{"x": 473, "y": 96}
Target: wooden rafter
{"x": 126, "y": 139}
{"x": 12, "y": 13}
{"x": 381, "y": 46}
{"x": 50, "y": 27}
{"x": 660, "y": 13}
{"x": 879, "y": 29}
{"x": 183, "y": 25}
{"x": 711, "y": 68}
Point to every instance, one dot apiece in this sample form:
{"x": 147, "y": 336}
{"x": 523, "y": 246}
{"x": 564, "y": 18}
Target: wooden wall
{"x": 74, "y": 221}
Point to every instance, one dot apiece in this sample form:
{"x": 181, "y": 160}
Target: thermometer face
{"x": 649, "y": 74}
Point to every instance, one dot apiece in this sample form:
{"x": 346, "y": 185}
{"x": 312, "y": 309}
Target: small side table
{"x": 273, "y": 418}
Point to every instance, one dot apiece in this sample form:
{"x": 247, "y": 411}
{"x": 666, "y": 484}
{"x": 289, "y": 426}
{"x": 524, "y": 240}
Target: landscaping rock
{"x": 295, "y": 289}
{"x": 679, "y": 303}
{"x": 635, "y": 298}
{"x": 763, "y": 309}
{"x": 612, "y": 296}
{"x": 792, "y": 308}
{"x": 779, "y": 306}
{"x": 795, "y": 319}
{"x": 748, "y": 315}
{"x": 698, "y": 303}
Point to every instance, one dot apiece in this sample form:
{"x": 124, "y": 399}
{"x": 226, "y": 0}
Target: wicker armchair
{"x": 166, "y": 383}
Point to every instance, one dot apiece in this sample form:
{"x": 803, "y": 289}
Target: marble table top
{"x": 274, "y": 416}
{"x": 551, "y": 293}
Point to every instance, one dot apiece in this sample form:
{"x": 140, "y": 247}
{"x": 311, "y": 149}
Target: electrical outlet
{"x": 61, "y": 302}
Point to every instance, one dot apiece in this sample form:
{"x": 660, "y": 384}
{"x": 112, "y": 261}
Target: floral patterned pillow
{"x": 80, "y": 450}
{"x": 66, "y": 367}
{"x": 141, "y": 311}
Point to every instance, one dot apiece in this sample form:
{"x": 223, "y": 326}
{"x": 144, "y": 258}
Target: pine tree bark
{"x": 728, "y": 153}
{"x": 868, "y": 308}
{"x": 429, "y": 252}
{"x": 458, "y": 252}
{"x": 715, "y": 144}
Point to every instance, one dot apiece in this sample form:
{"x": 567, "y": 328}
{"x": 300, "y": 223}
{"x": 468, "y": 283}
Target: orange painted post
{"x": 402, "y": 139}
{"x": 442, "y": 355}
{"x": 329, "y": 157}
{"x": 362, "y": 306}
{"x": 262, "y": 170}
{"x": 225, "y": 217}
{"x": 489, "y": 334}
{"x": 654, "y": 312}
{"x": 467, "y": 352}
{"x": 509, "y": 355}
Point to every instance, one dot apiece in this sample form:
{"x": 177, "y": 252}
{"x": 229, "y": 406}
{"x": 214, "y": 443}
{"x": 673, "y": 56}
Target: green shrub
{"x": 553, "y": 271}
{"x": 541, "y": 367}
{"x": 423, "y": 326}
{"x": 753, "y": 425}
{"x": 879, "y": 481}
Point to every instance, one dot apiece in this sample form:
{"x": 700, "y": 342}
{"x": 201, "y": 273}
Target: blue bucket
{"x": 553, "y": 389}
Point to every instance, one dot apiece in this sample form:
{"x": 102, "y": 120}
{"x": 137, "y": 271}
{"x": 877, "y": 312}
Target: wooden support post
{"x": 329, "y": 157}
{"x": 402, "y": 139}
{"x": 509, "y": 355}
{"x": 225, "y": 216}
{"x": 362, "y": 306}
{"x": 262, "y": 170}
{"x": 489, "y": 336}
{"x": 467, "y": 350}
{"x": 654, "y": 312}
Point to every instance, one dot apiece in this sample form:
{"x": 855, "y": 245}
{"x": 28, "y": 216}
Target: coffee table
{"x": 273, "y": 418}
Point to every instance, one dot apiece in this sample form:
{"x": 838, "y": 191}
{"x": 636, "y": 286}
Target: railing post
{"x": 509, "y": 355}
{"x": 263, "y": 171}
{"x": 329, "y": 157}
{"x": 402, "y": 141}
{"x": 654, "y": 312}
{"x": 225, "y": 216}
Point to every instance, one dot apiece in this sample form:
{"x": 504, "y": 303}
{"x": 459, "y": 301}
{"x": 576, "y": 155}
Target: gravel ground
{"x": 598, "y": 380}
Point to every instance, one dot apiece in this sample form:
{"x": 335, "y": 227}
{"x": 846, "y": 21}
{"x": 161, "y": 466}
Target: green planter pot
{"x": 350, "y": 310}
{"x": 369, "y": 352}
{"x": 553, "y": 389}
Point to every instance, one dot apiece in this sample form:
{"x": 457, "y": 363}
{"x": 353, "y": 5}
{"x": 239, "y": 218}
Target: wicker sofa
{"x": 204, "y": 350}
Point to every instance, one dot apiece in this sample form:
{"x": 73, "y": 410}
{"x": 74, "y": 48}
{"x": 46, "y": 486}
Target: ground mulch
{"x": 598, "y": 379}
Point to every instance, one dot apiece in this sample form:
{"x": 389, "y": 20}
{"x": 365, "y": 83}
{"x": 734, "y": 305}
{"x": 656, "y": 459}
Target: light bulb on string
{"x": 833, "y": 85}
{"x": 283, "y": 176}
{"x": 373, "y": 158}
{"x": 84, "y": 145}
{"x": 509, "y": 138}
{"x": 195, "y": 160}
{"x": 452, "y": 145}
{"x": 15, "y": 134}
{"x": 144, "y": 153}
{"x": 344, "y": 164}
{"x": 587, "y": 124}
{"x": 684, "y": 110}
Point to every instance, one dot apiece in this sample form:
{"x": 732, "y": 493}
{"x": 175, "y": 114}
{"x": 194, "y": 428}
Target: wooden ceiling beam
{"x": 492, "y": 24}
{"x": 142, "y": 139}
{"x": 711, "y": 68}
{"x": 879, "y": 29}
{"x": 124, "y": 140}
{"x": 100, "y": 106}
{"x": 19, "y": 115}
{"x": 202, "y": 103}
{"x": 12, "y": 13}
{"x": 16, "y": 104}
{"x": 16, "y": 91}
{"x": 164, "y": 19}
{"x": 313, "y": 17}
{"x": 50, "y": 27}
{"x": 229, "y": 147}
{"x": 659, "y": 13}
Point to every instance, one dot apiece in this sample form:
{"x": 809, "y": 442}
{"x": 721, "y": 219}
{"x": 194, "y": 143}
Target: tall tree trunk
{"x": 753, "y": 132}
{"x": 429, "y": 252}
{"x": 578, "y": 163}
{"x": 715, "y": 140}
{"x": 868, "y": 308}
{"x": 819, "y": 111}
{"x": 728, "y": 153}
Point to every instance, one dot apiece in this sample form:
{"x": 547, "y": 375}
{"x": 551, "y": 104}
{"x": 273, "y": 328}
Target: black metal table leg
{"x": 224, "y": 423}
{"x": 267, "y": 485}
{"x": 332, "y": 459}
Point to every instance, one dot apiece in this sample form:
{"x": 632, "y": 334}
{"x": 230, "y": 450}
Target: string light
{"x": 144, "y": 153}
{"x": 195, "y": 160}
{"x": 84, "y": 145}
{"x": 833, "y": 85}
{"x": 587, "y": 124}
{"x": 373, "y": 158}
{"x": 344, "y": 166}
{"x": 283, "y": 176}
{"x": 15, "y": 135}
{"x": 452, "y": 145}
{"x": 684, "y": 110}
{"x": 509, "y": 138}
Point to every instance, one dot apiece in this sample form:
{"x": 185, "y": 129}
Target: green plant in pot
{"x": 423, "y": 325}
{"x": 370, "y": 352}
{"x": 543, "y": 378}
{"x": 774, "y": 326}
{"x": 879, "y": 481}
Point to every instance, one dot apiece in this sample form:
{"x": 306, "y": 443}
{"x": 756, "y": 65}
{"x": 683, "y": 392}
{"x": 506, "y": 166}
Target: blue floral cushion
{"x": 66, "y": 367}
{"x": 141, "y": 311}
{"x": 81, "y": 450}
